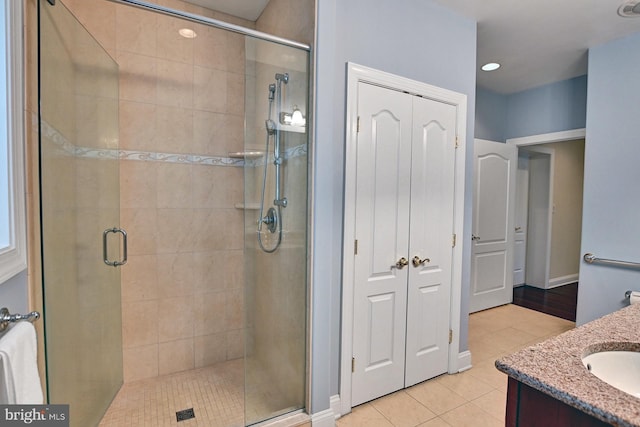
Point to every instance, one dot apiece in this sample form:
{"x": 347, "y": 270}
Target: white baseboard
{"x": 464, "y": 361}
{"x": 563, "y": 280}
{"x": 324, "y": 418}
{"x": 335, "y": 405}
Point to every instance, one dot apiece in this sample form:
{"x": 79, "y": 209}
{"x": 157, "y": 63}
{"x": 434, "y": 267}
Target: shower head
{"x": 283, "y": 77}
{"x": 272, "y": 91}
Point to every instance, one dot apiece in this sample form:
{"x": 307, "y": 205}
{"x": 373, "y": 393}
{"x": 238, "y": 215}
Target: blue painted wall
{"x": 491, "y": 115}
{"x": 550, "y": 108}
{"x": 14, "y": 294}
{"x": 610, "y": 226}
{"x": 411, "y": 38}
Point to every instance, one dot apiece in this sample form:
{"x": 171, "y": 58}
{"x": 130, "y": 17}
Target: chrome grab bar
{"x": 590, "y": 258}
{"x": 6, "y": 318}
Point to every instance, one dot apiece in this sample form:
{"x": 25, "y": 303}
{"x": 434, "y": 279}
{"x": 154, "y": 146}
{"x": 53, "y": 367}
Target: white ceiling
{"x": 536, "y": 41}
{"x": 540, "y": 41}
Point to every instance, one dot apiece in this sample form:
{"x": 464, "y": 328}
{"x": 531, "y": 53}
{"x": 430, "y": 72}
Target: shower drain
{"x": 185, "y": 414}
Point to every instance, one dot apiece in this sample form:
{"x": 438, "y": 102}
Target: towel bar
{"x": 6, "y": 318}
{"x": 592, "y": 259}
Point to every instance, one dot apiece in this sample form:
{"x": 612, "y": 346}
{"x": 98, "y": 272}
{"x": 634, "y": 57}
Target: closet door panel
{"x": 382, "y": 218}
{"x": 431, "y": 235}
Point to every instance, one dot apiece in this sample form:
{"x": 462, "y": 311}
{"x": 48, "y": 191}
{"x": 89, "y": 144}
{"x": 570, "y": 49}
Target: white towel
{"x": 19, "y": 378}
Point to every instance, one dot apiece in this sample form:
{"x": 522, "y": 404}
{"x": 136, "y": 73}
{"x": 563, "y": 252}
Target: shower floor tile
{"x": 216, "y": 394}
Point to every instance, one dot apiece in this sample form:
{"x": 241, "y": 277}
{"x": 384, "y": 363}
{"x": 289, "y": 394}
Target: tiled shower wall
{"x": 181, "y": 101}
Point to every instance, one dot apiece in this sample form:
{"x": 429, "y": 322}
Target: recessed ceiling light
{"x": 630, "y": 9}
{"x": 491, "y": 66}
{"x": 187, "y": 33}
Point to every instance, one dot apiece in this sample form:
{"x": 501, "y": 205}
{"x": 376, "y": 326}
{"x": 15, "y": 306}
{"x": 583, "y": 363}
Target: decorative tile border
{"x": 66, "y": 146}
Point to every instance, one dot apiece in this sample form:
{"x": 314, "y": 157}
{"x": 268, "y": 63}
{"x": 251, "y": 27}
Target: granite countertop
{"x": 555, "y": 367}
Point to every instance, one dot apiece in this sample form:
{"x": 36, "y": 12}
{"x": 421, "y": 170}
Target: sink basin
{"x": 621, "y": 369}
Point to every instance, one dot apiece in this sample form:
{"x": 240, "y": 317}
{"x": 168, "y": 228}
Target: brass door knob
{"x": 417, "y": 262}
{"x": 402, "y": 262}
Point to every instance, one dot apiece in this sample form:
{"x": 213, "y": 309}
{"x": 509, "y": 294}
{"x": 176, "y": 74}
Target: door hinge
{"x": 450, "y": 336}
{"x": 353, "y": 364}
{"x": 453, "y": 241}
{"x": 358, "y": 125}
{"x": 355, "y": 247}
{"x": 457, "y": 142}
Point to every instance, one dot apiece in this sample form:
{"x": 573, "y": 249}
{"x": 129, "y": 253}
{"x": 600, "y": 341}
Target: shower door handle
{"x": 105, "y": 246}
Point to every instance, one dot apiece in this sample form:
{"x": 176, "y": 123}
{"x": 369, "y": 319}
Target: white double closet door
{"x": 404, "y": 231}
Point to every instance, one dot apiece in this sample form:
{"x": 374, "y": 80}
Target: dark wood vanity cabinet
{"x": 528, "y": 407}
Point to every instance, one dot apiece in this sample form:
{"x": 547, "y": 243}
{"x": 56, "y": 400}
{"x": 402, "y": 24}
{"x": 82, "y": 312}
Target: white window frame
{"x": 13, "y": 258}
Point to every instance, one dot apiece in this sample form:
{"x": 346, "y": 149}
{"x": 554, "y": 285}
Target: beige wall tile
{"x": 209, "y": 271}
{"x": 175, "y": 356}
{"x": 138, "y": 185}
{"x": 175, "y": 83}
{"x": 234, "y": 273}
{"x": 140, "y": 278}
{"x": 138, "y": 77}
{"x": 136, "y": 31}
{"x": 171, "y": 45}
{"x": 235, "y": 94}
{"x": 235, "y": 53}
{"x": 175, "y": 275}
{"x": 235, "y": 309}
{"x": 210, "y": 89}
{"x": 174, "y": 185}
{"x": 140, "y": 323}
{"x": 235, "y": 344}
{"x": 142, "y": 230}
{"x": 210, "y": 313}
{"x": 235, "y": 134}
{"x": 175, "y": 319}
{"x": 174, "y": 230}
{"x": 175, "y": 130}
{"x": 137, "y": 126}
{"x": 210, "y": 133}
{"x": 210, "y": 349}
{"x": 140, "y": 362}
{"x": 99, "y": 17}
{"x": 210, "y": 48}
{"x": 210, "y": 187}
{"x": 207, "y": 230}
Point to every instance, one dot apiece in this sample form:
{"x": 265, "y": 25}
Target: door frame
{"x": 546, "y": 238}
{"x": 547, "y": 138}
{"x": 360, "y": 74}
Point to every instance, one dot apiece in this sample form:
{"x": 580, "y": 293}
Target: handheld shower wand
{"x": 273, "y": 218}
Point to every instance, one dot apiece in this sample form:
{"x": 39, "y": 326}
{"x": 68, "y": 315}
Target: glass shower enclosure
{"x": 84, "y": 171}
{"x": 80, "y": 199}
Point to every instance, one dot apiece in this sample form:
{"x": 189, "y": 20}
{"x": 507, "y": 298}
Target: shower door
{"x": 79, "y": 190}
{"x": 276, "y": 252}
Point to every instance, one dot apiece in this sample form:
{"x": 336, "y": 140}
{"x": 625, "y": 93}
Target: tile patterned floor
{"x": 216, "y": 394}
{"x": 474, "y": 398}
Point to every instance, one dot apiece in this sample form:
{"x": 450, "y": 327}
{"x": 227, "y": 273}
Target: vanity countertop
{"x": 555, "y": 367}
